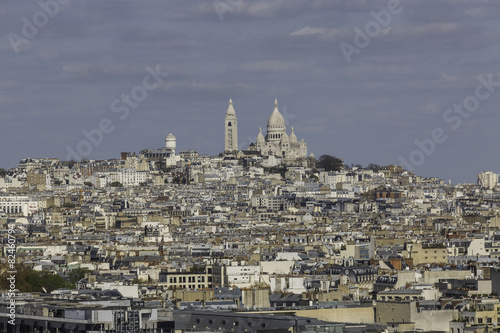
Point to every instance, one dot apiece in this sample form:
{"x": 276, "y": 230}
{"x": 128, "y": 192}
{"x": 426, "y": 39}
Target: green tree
{"x": 71, "y": 164}
{"x": 330, "y": 163}
{"x": 77, "y": 274}
{"x": 116, "y": 184}
{"x": 3, "y": 172}
{"x": 69, "y": 205}
{"x": 28, "y": 280}
{"x": 374, "y": 167}
{"x": 88, "y": 184}
{"x": 313, "y": 176}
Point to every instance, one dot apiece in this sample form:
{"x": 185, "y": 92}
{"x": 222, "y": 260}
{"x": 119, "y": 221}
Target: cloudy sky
{"x": 64, "y": 68}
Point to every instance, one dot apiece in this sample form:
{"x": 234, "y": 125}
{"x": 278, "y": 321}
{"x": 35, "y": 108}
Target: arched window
{"x": 229, "y": 124}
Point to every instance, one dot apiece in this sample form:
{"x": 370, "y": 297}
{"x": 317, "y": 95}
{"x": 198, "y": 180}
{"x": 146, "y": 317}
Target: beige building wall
{"x": 434, "y": 320}
{"x": 387, "y": 312}
{"x": 432, "y": 277}
{"x": 255, "y": 298}
{"x": 423, "y": 255}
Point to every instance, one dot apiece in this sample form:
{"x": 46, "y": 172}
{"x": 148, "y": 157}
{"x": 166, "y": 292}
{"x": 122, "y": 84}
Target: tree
{"x": 29, "y": 281}
{"x": 330, "y": 163}
{"x": 3, "y": 172}
{"x": 71, "y": 164}
{"x": 77, "y": 274}
{"x": 57, "y": 182}
{"x": 89, "y": 184}
{"x": 116, "y": 184}
{"x": 374, "y": 167}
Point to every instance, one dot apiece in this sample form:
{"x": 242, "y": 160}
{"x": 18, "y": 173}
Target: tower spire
{"x": 231, "y": 129}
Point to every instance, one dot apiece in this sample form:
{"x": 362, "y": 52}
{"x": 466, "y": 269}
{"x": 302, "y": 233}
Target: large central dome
{"x": 276, "y": 122}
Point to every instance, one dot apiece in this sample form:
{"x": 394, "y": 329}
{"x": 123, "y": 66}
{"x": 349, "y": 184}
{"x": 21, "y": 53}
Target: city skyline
{"x": 362, "y": 95}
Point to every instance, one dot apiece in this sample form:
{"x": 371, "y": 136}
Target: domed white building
{"x": 165, "y": 154}
{"x": 277, "y": 142}
{"x": 276, "y": 145}
{"x": 171, "y": 143}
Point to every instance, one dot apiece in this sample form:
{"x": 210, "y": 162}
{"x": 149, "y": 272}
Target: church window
{"x": 229, "y": 124}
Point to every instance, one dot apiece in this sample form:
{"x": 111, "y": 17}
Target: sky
{"x": 412, "y": 82}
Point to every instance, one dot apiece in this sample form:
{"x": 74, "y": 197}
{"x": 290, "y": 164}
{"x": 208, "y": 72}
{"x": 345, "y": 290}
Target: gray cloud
{"x": 64, "y": 79}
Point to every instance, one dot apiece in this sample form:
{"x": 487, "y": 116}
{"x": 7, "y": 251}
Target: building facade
{"x": 275, "y": 144}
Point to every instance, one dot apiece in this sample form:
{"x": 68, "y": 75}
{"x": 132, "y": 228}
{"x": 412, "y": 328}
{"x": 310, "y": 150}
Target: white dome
{"x": 170, "y": 141}
{"x": 276, "y": 124}
{"x": 284, "y": 138}
{"x": 260, "y": 136}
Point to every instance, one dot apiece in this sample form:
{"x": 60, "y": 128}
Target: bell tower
{"x": 231, "y": 129}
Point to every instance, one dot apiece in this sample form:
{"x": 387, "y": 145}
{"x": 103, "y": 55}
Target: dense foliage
{"x": 28, "y": 280}
{"x": 329, "y": 163}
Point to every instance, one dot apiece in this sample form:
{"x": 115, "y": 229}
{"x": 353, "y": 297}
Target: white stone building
{"x": 231, "y": 130}
{"x": 487, "y": 180}
{"x": 277, "y": 145}
{"x": 277, "y": 142}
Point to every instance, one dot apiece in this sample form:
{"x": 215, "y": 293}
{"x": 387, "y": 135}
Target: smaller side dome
{"x": 260, "y": 136}
{"x": 293, "y": 138}
{"x": 284, "y": 138}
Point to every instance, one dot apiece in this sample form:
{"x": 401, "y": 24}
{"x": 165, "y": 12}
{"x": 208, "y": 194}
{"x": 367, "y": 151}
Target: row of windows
{"x": 192, "y": 286}
{"x": 10, "y": 209}
{"x": 182, "y": 279}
